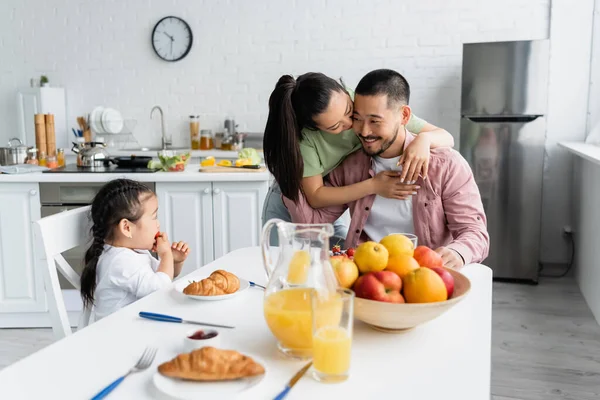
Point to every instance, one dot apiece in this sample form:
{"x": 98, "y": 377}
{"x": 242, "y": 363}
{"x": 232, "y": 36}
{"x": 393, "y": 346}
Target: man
{"x": 445, "y": 211}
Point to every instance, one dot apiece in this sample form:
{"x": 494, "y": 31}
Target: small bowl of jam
{"x": 199, "y": 338}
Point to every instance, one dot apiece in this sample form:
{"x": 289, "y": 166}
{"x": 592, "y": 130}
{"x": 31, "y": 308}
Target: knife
{"x": 293, "y": 381}
{"x": 256, "y": 166}
{"x": 169, "y": 318}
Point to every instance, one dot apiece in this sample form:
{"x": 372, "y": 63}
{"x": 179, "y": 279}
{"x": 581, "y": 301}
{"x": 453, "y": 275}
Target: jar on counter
{"x": 32, "y": 156}
{"x": 195, "y": 131}
{"x": 42, "y": 159}
{"x": 219, "y": 136}
{"x": 51, "y": 162}
{"x": 206, "y": 140}
{"x": 60, "y": 157}
{"x": 227, "y": 143}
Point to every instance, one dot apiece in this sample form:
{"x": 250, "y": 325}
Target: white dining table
{"x": 446, "y": 358}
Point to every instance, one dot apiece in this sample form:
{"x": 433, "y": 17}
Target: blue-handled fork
{"x": 143, "y": 363}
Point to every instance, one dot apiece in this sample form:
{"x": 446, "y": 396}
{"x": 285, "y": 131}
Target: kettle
{"x": 90, "y": 154}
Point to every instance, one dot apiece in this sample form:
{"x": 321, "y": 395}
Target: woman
{"x": 308, "y": 134}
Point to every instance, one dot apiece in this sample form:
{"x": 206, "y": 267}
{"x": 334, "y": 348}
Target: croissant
{"x": 211, "y": 364}
{"x": 218, "y": 283}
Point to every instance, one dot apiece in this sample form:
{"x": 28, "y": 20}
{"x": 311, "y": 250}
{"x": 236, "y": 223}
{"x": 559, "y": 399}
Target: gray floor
{"x": 545, "y": 344}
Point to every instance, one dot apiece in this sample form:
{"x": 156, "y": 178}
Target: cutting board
{"x": 217, "y": 168}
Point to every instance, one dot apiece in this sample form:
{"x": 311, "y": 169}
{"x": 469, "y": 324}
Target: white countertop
{"x": 191, "y": 174}
{"x": 447, "y": 358}
{"x": 588, "y": 151}
{"x": 194, "y": 153}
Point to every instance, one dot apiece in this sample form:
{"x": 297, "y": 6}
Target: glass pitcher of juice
{"x": 301, "y": 267}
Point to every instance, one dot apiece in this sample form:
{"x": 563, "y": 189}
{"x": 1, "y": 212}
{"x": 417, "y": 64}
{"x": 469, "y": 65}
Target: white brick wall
{"x": 100, "y": 51}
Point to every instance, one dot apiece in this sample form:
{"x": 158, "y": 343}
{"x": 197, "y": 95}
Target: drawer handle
{"x": 217, "y": 191}
{"x": 206, "y": 191}
{"x": 33, "y": 192}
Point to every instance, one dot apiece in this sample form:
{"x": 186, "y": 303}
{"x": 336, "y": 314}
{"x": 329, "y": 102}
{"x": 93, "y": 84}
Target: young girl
{"x": 119, "y": 268}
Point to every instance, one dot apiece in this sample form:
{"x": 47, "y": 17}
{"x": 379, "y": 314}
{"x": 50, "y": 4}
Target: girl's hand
{"x": 415, "y": 160}
{"x": 387, "y": 184}
{"x": 162, "y": 245}
{"x": 180, "y": 251}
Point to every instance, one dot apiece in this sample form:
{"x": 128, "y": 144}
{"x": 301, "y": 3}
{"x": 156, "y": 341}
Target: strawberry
{"x": 337, "y": 249}
{"x": 350, "y": 252}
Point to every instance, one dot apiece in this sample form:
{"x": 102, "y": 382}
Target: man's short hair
{"x": 385, "y": 81}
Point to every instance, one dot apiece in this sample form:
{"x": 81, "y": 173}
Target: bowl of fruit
{"x": 173, "y": 160}
{"x": 397, "y": 286}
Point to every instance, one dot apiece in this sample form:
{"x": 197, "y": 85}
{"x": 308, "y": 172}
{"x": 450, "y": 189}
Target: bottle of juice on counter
{"x": 60, "y": 157}
{"x": 206, "y": 140}
{"x": 195, "y": 131}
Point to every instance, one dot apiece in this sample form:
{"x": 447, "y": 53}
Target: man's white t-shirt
{"x": 124, "y": 276}
{"x": 388, "y": 215}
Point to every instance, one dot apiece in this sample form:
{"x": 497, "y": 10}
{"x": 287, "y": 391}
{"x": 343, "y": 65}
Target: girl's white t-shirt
{"x": 123, "y": 276}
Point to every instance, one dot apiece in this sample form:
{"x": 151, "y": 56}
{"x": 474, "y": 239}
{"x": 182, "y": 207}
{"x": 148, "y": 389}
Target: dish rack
{"x": 121, "y": 139}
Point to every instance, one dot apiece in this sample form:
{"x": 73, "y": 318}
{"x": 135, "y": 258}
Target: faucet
{"x": 165, "y": 140}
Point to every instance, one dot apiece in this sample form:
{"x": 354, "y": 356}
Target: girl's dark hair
{"x": 119, "y": 199}
{"x": 292, "y": 106}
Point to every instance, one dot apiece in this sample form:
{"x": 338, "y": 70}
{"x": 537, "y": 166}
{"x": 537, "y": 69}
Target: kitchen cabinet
{"x": 214, "y": 218}
{"x": 237, "y": 210}
{"x": 42, "y": 100}
{"x": 185, "y": 212}
{"x": 21, "y": 284}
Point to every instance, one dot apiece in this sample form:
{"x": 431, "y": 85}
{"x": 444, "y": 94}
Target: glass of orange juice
{"x": 332, "y": 337}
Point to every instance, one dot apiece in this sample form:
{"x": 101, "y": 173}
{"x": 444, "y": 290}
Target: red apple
{"x": 447, "y": 278}
{"x": 379, "y": 286}
{"x": 426, "y": 257}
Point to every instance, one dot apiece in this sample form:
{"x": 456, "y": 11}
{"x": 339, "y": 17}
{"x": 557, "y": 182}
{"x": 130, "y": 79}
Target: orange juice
{"x": 289, "y": 316}
{"x": 331, "y": 350}
{"x": 298, "y": 269}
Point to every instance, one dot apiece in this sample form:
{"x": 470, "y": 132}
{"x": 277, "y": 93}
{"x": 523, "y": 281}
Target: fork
{"x": 144, "y": 362}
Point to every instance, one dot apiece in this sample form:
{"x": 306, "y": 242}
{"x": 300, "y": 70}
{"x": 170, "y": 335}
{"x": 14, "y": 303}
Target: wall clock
{"x": 172, "y": 38}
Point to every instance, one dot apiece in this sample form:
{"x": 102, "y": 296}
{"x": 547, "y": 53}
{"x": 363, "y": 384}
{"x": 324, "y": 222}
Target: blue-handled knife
{"x": 293, "y": 381}
{"x": 257, "y": 285}
{"x": 170, "y": 318}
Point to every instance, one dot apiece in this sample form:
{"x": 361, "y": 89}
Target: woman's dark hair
{"x": 119, "y": 199}
{"x": 292, "y": 106}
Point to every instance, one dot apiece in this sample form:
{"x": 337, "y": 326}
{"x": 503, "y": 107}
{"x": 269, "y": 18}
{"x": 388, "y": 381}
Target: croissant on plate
{"x": 218, "y": 283}
{"x": 211, "y": 364}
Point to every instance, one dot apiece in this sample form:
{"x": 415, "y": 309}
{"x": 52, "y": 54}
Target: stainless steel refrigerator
{"x": 502, "y": 136}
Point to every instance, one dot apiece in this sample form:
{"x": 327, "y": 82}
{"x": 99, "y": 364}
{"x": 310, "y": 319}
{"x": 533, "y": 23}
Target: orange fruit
{"x": 397, "y": 244}
{"x": 370, "y": 257}
{"x": 401, "y": 264}
{"x": 423, "y": 285}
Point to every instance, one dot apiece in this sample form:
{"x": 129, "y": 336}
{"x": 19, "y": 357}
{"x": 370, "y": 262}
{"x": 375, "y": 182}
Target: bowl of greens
{"x": 174, "y": 160}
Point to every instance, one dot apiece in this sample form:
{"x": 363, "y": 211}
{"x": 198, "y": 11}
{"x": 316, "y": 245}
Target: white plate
{"x": 191, "y": 390}
{"x": 112, "y": 121}
{"x": 95, "y": 120}
{"x": 244, "y": 284}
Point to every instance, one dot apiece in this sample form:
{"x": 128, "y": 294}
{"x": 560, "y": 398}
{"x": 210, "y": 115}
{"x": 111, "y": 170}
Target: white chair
{"x": 58, "y": 233}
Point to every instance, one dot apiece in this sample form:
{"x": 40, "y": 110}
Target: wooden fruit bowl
{"x": 394, "y": 317}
